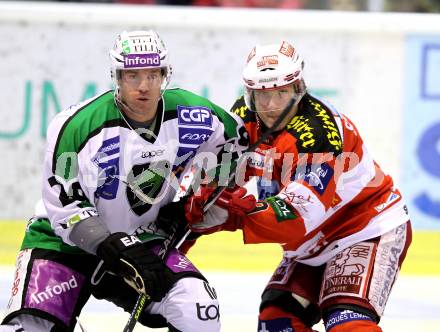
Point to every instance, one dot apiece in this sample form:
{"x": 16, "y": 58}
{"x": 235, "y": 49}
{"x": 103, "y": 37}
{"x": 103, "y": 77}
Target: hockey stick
{"x": 168, "y": 244}
{"x": 140, "y": 303}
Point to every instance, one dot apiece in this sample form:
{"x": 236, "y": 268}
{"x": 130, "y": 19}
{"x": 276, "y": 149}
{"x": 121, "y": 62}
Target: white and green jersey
{"x": 97, "y": 165}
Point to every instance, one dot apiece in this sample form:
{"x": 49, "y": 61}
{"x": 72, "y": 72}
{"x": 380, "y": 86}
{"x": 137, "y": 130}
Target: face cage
{"x": 299, "y": 88}
{"x": 116, "y": 76}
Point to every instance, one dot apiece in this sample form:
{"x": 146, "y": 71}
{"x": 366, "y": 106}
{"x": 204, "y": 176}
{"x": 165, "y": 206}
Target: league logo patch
{"x": 194, "y": 116}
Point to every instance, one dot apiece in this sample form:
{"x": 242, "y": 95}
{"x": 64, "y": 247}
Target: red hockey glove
{"x": 225, "y": 214}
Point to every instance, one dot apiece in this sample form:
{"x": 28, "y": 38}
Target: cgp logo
{"x": 194, "y": 116}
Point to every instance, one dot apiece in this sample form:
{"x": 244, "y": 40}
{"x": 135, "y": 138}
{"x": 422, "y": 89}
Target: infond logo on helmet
{"x": 194, "y": 116}
{"x": 141, "y": 60}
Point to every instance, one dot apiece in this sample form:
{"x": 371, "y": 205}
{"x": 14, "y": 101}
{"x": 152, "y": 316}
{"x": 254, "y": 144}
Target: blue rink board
{"x": 420, "y": 164}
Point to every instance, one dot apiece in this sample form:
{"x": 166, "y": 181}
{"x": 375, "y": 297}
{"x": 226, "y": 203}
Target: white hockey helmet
{"x": 273, "y": 66}
{"x": 139, "y": 50}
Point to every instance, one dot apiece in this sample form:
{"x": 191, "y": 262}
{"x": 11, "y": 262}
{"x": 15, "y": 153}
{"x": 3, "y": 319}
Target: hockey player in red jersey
{"x": 342, "y": 224}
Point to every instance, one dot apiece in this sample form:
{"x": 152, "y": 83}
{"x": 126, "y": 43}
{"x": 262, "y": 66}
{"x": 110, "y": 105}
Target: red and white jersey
{"x": 319, "y": 189}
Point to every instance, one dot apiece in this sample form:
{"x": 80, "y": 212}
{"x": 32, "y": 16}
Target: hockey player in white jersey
{"x": 113, "y": 165}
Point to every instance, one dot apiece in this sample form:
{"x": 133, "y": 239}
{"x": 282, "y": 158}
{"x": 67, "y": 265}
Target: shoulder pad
{"x": 315, "y": 128}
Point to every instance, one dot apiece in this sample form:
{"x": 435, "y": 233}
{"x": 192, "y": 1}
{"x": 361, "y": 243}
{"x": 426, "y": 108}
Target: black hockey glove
{"x": 171, "y": 217}
{"x": 134, "y": 261}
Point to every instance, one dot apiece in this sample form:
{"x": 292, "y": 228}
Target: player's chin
{"x": 142, "y": 104}
{"x": 269, "y": 121}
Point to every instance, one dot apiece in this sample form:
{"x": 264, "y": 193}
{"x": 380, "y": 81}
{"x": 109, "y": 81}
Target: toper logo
{"x": 194, "y": 116}
{"x": 141, "y": 60}
{"x": 150, "y": 154}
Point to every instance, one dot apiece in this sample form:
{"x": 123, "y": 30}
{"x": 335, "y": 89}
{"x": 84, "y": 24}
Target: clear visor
{"x": 274, "y": 99}
{"x": 270, "y": 100}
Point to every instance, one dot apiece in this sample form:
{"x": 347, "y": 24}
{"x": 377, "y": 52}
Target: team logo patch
{"x": 318, "y": 176}
{"x": 107, "y": 160}
{"x": 193, "y": 136}
{"x": 141, "y": 60}
{"x": 53, "y": 288}
{"x": 194, "y": 116}
{"x": 340, "y": 317}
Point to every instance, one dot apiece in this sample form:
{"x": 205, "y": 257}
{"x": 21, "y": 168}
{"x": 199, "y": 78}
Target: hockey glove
{"x": 226, "y": 214}
{"x": 129, "y": 258}
{"x": 171, "y": 217}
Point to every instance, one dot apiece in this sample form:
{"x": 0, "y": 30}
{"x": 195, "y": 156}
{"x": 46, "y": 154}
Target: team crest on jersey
{"x": 107, "y": 160}
{"x": 194, "y": 116}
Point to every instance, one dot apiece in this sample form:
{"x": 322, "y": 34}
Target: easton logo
{"x": 141, "y": 60}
